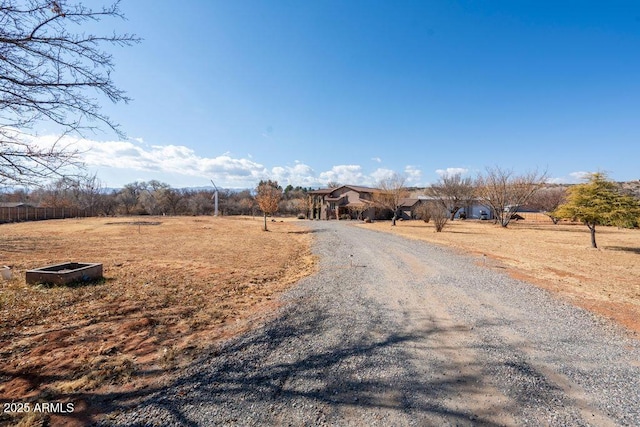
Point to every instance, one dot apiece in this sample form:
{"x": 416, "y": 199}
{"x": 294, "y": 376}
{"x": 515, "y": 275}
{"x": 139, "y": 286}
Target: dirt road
{"x": 399, "y": 332}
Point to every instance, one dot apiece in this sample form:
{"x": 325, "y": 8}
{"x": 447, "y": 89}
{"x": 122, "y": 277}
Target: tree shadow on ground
{"x": 254, "y": 372}
{"x": 280, "y": 366}
{"x": 623, "y": 249}
{"x": 307, "y": 231}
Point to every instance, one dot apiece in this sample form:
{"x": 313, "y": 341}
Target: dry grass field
{"x": 171, "y": 286}
{"x": 558, "y": 258}
{"x": 175, "y": 286}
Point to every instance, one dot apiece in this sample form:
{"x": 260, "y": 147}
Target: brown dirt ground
{"x": 558, "y": 258}
{"x": 175, "y": 288}
{"x": 170, "y": 290}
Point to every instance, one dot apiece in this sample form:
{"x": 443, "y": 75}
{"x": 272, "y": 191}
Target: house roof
{"x": 360, "y": 203}
{"x": 408, "y": 202}
{"x": 15, "y": 205}
{"x": 361, "y": 189}
{"x": 358, "y": 188}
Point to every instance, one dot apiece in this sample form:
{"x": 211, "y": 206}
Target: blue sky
{"x": 349, "y": 91}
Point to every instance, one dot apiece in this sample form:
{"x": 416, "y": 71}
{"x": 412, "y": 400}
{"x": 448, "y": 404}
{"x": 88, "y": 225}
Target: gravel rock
{"x": 393, "y": 331}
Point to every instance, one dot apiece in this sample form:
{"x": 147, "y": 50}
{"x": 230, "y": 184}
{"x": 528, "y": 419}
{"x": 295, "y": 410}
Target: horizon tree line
{"x": 596, "y": 202}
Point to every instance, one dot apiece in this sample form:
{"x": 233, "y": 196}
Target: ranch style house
{"x": 356, "y": 202}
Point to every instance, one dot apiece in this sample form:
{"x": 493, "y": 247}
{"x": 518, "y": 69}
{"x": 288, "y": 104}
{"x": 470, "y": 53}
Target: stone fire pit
{"x": 63, "y": 274}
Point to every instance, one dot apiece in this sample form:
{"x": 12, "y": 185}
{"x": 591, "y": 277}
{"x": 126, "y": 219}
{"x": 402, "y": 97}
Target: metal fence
{"x": 24, "y": 213}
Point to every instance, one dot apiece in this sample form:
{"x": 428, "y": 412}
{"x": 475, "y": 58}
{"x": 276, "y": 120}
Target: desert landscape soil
{"x": 172, "y": 286}
{"x": 384, "y": 333}
{"x": 558, "y": 258}
{"x": 400, "y": 332}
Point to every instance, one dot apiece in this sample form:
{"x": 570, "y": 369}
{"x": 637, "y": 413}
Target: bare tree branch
{"x": 505, "y": 192}
{"x": 438, "y": 214}
{"x": 453, "y": 192}
{"x": 392, "y": 191}
{"x": 547, "y": 200}
{"x": 50, "y": 70}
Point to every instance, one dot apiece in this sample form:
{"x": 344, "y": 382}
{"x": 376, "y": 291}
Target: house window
{"x": 332, "y": 205}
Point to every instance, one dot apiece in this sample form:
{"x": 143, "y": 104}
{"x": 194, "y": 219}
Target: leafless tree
{"x": 505, "y": 192}
{"x": 57, "y": 194}
{"x": 237, "y": 202}
{"x": 247, "y": 206}
{"x": 108, "y": 203}
{"x": 295, "y": 201}
{"x": 87, "y": 190}
{"x": 299, "y": 206}
{"x": 21, "y": 195}
{"x": 423, "y": 212}
{"x": 200, "y": 202}
{"x": 439, "y": 214}
{"x": 129, "y": 196}
{"x": 79, "y": 192}
{"x": 547, "y": 200}
{"x": 152, "y": 197}
{"x": 453, "y": 191}
{"x": 392, "y": 191}
{"x": 268, "y": 194}
{"x": 173, "y": 200}
{"x": 51, "y": 71}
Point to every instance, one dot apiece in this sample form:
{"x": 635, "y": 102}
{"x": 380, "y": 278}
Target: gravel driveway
{"x": 399, "y": 332}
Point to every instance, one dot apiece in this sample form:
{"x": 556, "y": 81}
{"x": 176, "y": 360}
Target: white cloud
{"x": 377, "y": 159}
{"x": 125, "y": 160}
{"x": 299, "y": 174}
{"x": 572, "y": 178}
{"x": 344, "y": 174}
{"x": 381, "y": 174}
{"x": 580, "y": 175}
{"x": 556, "y": 180}
{"x": 413, "y": 175}
{"x": 452, "y": 171}
{"x": 164, "y": 159}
